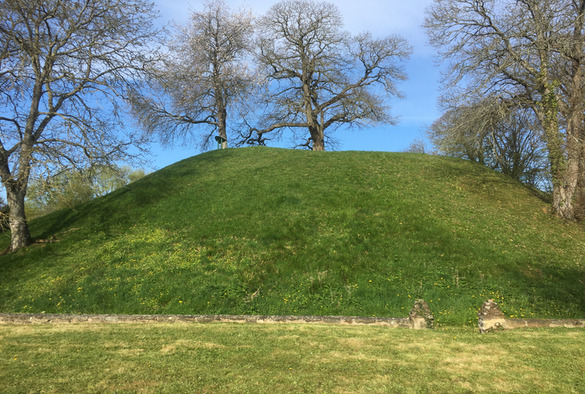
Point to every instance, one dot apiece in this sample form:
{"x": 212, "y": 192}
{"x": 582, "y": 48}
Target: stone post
{"x": 421, "y": 316}
{"x": 490, "y": 317}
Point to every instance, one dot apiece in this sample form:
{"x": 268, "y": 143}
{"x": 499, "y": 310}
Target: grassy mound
{"x": 272, "y": 231}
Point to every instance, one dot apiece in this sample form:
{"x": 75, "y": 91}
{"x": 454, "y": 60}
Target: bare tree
{"x": 418, "y": 146}
{"x": 63, "y": 67}
{"x": 205, "y": 75}
{"x": 526, "y": 51}
{"x": 319, "y": 77}
{"x": 492, "y": 133}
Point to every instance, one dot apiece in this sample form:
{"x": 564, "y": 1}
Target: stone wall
{"x": 491, "y": 318}
{"x": 420, "y": 317}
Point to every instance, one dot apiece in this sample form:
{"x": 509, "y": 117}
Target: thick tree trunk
{"x": 563, "y": 202}
{"x": 567, "y": 182}
{"x": 580, "y": 192}
{"x": 565, "y": 190}
{"x": 568, "y": 179}
{"x": 318, "y": 138}
{"x": 20, "y": 234}
{"x": 564, "y": 169}
{"x": 221, "y": 117}
{"x": 576, "y": 128}
{"x": 222, "y": 129}
{"x": 318, "y": 143}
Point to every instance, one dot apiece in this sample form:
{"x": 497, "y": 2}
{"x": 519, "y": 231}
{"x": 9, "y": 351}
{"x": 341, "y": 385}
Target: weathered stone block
{"x": 420, "y": 316}
{"x": 490, "y": 317}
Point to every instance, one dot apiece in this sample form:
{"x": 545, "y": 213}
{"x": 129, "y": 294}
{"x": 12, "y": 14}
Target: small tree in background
{"x": 491, "y": 133}
{"x": 418, "y": 146}
{"x": 73, "y": 187}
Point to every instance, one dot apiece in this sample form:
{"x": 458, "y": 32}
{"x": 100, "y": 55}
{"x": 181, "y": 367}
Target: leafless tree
{"x": 530, "y": 52}
{"x": 496, "y": 135}
{"x": 319, "y": 77}
{"x": 418, "y": 146}
{"x": 205, "y": 75}
{"x": 64, "y": 65}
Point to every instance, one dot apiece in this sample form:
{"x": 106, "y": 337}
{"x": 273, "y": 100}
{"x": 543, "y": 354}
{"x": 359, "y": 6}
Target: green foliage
{"x": 73, "y": 187}
{"x": 271, "y": 231}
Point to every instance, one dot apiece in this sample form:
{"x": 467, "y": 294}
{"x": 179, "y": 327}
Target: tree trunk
{"x": 221, "y": 119}
{"x": 318, "y": 138}
{"x": 563, "y": 202}
{"x": 580, "y": 194}
{"x": 565, "y": 190}
{"x": 20, "y": 234}
{"x": 564, "y": 170}
{"x": 318, "y": 145}
{"x": 221, "y": 131}
{"x": 576, "y": 128}
{"x": 564, "y": 198}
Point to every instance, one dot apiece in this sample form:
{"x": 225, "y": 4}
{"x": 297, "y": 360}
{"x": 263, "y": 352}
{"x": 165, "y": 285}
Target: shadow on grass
{"x": 122, "y": 207}
{"x": 558, "y": 290}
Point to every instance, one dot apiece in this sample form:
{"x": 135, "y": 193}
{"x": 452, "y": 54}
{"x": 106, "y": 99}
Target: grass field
{"x": 282, "y": 232}
{"x": 286, "y": 358}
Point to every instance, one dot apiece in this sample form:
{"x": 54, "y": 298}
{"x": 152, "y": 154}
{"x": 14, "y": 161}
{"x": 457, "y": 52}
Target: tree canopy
{"x": 64, "y": 67}
{"x": 495, "y": 135}
{"x": 204, "y": 78}
{"x": 530, "y": 53}
{"x": 320, "y": 77}
{"x": 75, "y": 186}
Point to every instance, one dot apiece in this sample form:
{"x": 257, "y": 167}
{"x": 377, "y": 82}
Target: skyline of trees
{"x": 292, "y": 69}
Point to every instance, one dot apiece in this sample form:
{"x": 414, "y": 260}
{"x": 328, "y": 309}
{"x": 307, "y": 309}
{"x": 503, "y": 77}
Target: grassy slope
{"x": 274, "y": 231}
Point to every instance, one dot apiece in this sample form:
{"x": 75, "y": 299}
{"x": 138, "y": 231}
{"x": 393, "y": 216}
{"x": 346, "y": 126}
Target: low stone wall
{"x": 28, "y": 318}
{"x": 420, "y": 317}
{"x": 491, "y": 318}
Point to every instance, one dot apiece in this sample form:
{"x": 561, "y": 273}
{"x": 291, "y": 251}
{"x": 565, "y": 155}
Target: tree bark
{"x": 20, "y": 234}
{"x": 222, "y": 125}
{"x": 564, "y": 170}
{"x": 576, "y": 108}
{"x": 317, "y": 134}
{"x": 580, "y": 194}
{"x": 318, "y": 142}
{"x": 220, "y": 105}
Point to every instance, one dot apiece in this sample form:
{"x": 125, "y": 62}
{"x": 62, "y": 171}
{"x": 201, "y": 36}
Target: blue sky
{"x": 380, "y": 17}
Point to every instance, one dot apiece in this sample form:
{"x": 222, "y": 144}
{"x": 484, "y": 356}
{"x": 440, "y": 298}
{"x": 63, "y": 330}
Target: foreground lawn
{"x": 286, "y": 357}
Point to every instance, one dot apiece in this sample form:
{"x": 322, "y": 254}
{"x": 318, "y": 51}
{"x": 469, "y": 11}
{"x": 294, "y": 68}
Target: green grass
{"x": 286, "y": 358}
{"x": 273, "y": 231}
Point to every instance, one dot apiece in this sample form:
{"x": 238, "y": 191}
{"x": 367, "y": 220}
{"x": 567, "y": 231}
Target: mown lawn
{"x": 286, "y": 358}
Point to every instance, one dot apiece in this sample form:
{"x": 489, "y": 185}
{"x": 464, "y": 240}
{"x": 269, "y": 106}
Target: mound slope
{"x": 282, "y": 232}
